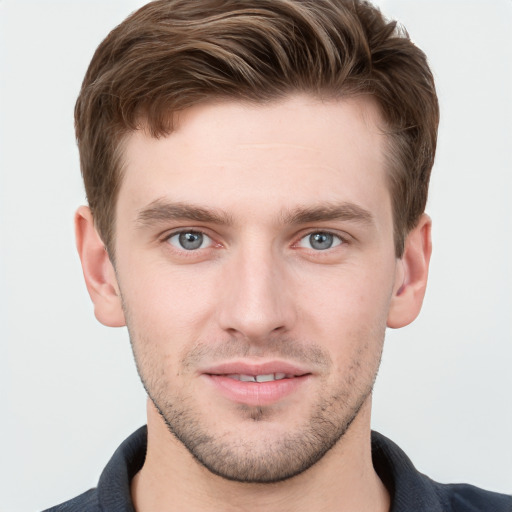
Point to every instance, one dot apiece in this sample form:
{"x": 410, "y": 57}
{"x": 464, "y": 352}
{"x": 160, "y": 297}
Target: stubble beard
{"x": 267, "y": 460}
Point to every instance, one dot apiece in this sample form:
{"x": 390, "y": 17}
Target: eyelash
{"x": 341, "y": 240}
{"x": 190, "y": 253}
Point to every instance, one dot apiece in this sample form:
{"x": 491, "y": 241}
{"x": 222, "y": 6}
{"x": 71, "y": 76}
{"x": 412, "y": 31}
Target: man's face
{"x": 256, "y": 265}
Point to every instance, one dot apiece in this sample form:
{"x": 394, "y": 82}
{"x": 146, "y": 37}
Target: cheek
{"x": 167, "y": 304}
{"x": 348, "y": 313}
{"x": 348, "y": 295}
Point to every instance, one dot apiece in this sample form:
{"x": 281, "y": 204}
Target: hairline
{"x": 391, "y": 153}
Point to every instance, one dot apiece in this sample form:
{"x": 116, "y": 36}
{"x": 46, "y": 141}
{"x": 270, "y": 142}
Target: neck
{"x": 343, "y": 480}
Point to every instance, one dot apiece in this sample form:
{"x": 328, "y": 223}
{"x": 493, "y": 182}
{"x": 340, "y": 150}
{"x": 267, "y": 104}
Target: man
{"x": 257, "y": 174}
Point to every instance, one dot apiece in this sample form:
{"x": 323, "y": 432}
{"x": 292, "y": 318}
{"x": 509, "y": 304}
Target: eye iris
{"x": 321, "y": 241}
{"x": 191, "y": 240}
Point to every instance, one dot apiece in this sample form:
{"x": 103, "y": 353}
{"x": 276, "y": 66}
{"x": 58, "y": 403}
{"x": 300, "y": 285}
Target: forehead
{"x": 233, "y": 155}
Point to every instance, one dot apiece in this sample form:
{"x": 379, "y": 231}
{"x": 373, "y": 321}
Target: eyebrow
{"x": 330, "y": 211}
{"x": 162, "y": 211}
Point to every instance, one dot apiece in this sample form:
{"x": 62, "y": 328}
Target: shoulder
{"x": 468, "y": 498}
{"x": 412, "y": 490}
{"x": 86, "y": 502}
{"x": 113, "y": 491}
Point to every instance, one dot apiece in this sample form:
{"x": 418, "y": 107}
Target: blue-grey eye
{"x": 320, "y": 241}
{"x": 190, "y": 240}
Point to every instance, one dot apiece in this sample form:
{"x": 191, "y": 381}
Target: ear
{"x": 99, "y": 273}
{"x": 412, "y": 274}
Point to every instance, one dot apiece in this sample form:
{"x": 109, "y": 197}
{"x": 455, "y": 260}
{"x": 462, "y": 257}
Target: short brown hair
{"x": 173, "y": 54}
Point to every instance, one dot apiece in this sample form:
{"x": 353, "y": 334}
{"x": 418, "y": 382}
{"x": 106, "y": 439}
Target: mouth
{"x": 269, "y": 377}
{"x": 257, "y": 385}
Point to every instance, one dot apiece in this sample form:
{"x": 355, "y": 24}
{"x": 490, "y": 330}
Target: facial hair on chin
{"x": 267, "y": 460}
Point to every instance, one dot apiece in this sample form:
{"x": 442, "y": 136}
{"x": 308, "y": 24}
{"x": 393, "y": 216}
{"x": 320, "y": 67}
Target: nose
{"x": 256, "y": 300}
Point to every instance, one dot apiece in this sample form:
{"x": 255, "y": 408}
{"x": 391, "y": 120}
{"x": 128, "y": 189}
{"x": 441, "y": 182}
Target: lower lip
{"x": 256, "y": 393}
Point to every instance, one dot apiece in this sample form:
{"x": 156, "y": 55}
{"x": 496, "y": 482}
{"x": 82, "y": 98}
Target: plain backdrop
{"x": 69, "y": 393}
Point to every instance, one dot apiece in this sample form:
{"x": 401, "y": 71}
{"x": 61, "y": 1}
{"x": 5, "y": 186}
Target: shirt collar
{"x": 409, "y": 489}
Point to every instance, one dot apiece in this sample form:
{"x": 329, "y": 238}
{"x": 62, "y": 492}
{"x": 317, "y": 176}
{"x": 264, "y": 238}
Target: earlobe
{"x": 412, "y": 274}
{"x": 99, "y": 273}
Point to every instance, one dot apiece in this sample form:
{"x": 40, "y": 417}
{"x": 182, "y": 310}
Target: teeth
{"x": 258, "y": 378}
{"x": 265, "y": 378}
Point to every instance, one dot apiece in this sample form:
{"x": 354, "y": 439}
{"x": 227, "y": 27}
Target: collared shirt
{"x": 410, "y": 490}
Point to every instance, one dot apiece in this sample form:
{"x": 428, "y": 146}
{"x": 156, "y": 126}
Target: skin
{"x": 255, "y": 295}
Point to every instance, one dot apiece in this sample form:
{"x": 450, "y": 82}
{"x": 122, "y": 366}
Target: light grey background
{"x": 69, "y": 393}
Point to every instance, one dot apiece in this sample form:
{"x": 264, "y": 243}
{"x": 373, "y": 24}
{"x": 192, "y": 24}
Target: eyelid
{"x": 343, "y": 238}
{"x": 206, "y": 240}
{"x": 166, "y": 237}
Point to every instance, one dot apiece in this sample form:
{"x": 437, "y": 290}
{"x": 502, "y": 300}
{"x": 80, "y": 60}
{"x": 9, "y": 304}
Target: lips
{"x": 256, "y": 368}
{"x": 256, "y": 384}
{"x": 260, "y": 378}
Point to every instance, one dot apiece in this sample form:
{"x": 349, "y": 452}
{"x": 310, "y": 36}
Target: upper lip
{"x": 253, "y": 368}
